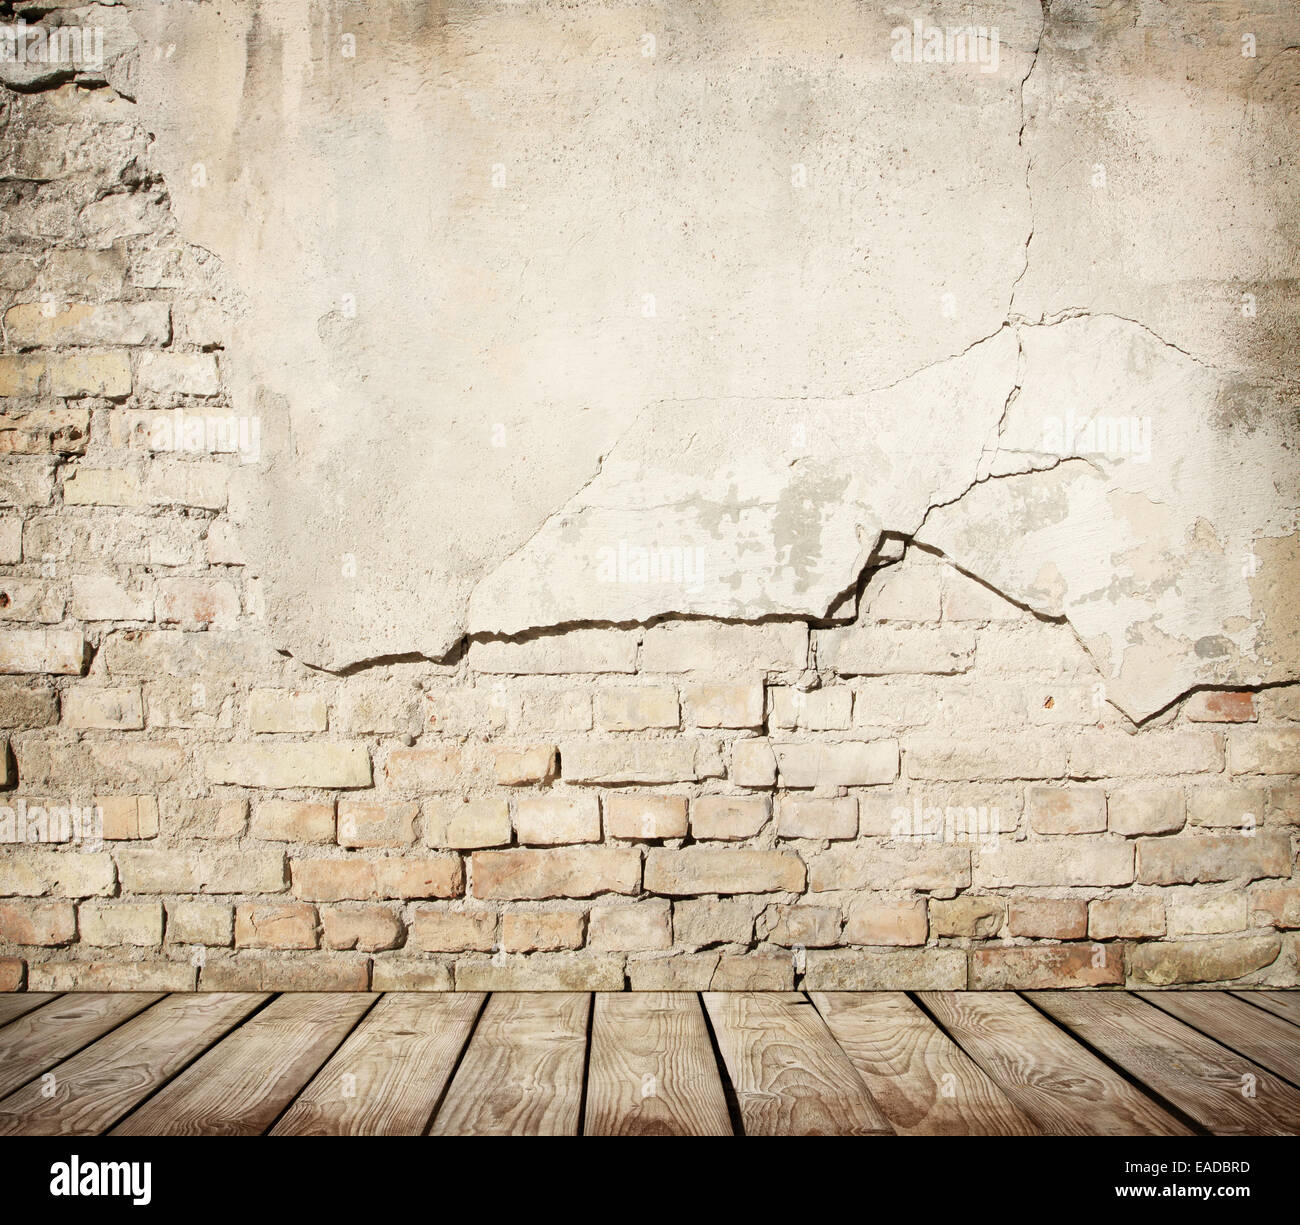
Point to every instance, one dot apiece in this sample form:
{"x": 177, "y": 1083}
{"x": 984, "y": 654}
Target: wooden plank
{"x": 522, "y": 1072}
{"x": 96, "y": 1087}
{"x": 387, "y": 1078}
{"x": 243, "y": 1083}
{"x": 789, "y": 1075}
{"x": 1223, "y": 1092}
{"x": 923, "y": 1082}
{"x": 1060, "y": 1085}
{"x": 1284, "y": 1004}
{"x": 35, "y": 1043}
{"x": 1260, "y": 1036}
{"x": 652, "y": 1070}
{"x": 16, "y": 1004}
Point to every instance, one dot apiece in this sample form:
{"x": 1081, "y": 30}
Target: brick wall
{"x": 935, "y": 796}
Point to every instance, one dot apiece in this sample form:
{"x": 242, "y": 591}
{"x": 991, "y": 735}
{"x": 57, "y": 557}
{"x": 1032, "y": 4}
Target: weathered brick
{"x": 1284, "y": 805}
{"x": 90, "y": 374}
{"x": 1072, "y": 864}
{"x": 877, "y": 921}
{"x": 543, "y": 972}
{"x": 965, "y": 599}
{"x": 729, "y": 816}
{"x": 29, "y": 873}
{"x": 1226, "y": 807}
{"x": 1043, "y": 967}
{"x": 816, "y": 817}
{"x": 556, "y": 818}
{"x": 409, "y": 974}
{"x": 1275, "y": 905}
{"x": 802, "y": 926}
{"x": 851, "y": 763}
{"x": 196, "y": 602}
{"x": 20, "y": 374}
{"x": 1187, "y": 859}
{"x": 1220, "y": 706}
{"x": 189, "y": 483}
{"x": 1114, "y": 755}
{"x": 336, "y": 764}
{"x": 453, "y": 931}
{"x": 364, "y": 880}
{"x": 929, "y": 868}
{"x": 568, "y": 872}
{"x": 102, "y": 487}
{"x": 27, "y": 704}
{"x": 128, "y": 818}
{"x": 276, "y": 925}
{"x": 207, "y": 923}
{"x": 208, "y": 871}
{"x": 45, "y": 431}
{"x": 28, "y": 325}
{"x": 884, "y": 650}
{"x": 44, "y": 923}
{"x": 757, "y": 971}
{"x": 1127, "y": 918}
{"x": 173, "y": 373}
{"x": 112, "y": 709}
{"x": 370, "y": 707}
{"x": 556, "y": 710}
{"x": 286, "y": 710}
{"x": 101, "y": 597}
{"x": 26, "y": 482}
{"x": 542, "y": 931}
{"x": 634, "y": 710}
{"x": 723, "y": 704}
{"x": 467, "y": 712}
{"x": 11, "y": 540}
{"x": 677, "y": 972}
{"x": 753, "y": 764}
{"x": 817, "y": 710}
{"x": 1151, "y": 810}
{"x": 1164, "y": 963}
{"x": 293, "y": 821}
{"x": 440, "y": 767}
{"x": 59, "y": 652}
{"x": 281, "y": 970}
{"x": 638, "y": 815}
{"x": 584, "y": 650}
{"x": 30, "y": 600}
{"x": 629, "y": 761}
{"x": 724, "y": 649}
{"x": 1066, "y": 810}
{"x": 908, "y": 591}
{"x": 903, "y": 969}
{"x": 517, "y": 767}
{"x": 699, "y": 869}
{"x": 978, "y": 918}
{"x": 1192, "y": 914}
{"x": 370, "y": 823}
{"x": 1264, "y": 751}
{"x": 212, "y": 818}
{"x": 13, "y": 973}
{"x": 111, "y": 976}
{"x": 136, "y": 923}
{"x": 698, "y": 921}
{"x": 467, "y": 823}
{"x": 367, "y": 928}
{"x": 631, "y": 928}
{"x": 930, "y": 757}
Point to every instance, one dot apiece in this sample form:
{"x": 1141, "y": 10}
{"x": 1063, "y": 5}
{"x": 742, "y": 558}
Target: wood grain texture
{"x": 789, "y": 1075}
{"x": 1260, "y": 1036}
{"x": 1284, "y": 1004}
{"x": 923, "y": 1082}
{"x": 1061, "y": 1086}
{"x": 36, "y": 1042}
{"x": 243, "y": 1083}
{"x": 387, "y": 1078}
{"x": 96, "y": 1087}
{"x": 522, "y": 1073}
{"x": 652, "y": 1070}
{"x": 20, "y": 1003}
{"x": 1224, "y": 1092}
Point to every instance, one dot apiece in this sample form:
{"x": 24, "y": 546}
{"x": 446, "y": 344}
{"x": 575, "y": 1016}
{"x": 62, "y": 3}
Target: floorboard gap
{"x": 455, "y": 1067}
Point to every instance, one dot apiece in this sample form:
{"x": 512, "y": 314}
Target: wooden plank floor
{"x": 658, "y": 1063}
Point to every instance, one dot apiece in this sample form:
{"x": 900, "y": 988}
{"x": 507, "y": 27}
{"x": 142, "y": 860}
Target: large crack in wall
{"x": 598, "y": 315}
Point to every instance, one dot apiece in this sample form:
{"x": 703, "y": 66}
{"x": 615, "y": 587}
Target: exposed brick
{"x": 28, "y": 873}
{"x": 585, "y": 650}
{"x": 640, "y": 815}
{"x": 101, "y": 487}
{"x": 543, "y": 972}
{"x": 1226, "y": 807}
{"x": 111, "y": 709}
{"x": 128, "y": 818}
{"x": 1066, "y": 810}
{"x": 187, "y": 374}
{"x": 196, "y": 602}
{"x": 409, "y": 974}
{"x": 1146, "y": 811}
{"x": 542, "y": 931}
{"x": 1075, "y": 863}
{"x": 1186, "y": 859}
{"x": 978, "y": 918}
{"x": 286, "y": 710}
{"x": 629, "y": 761}
{"x": 903, "y": 969}
{"x": 634, "y": 710}
{"x": 1275, "y": 905}
{"x": 135, "y": 923}
{"x": 517, "y": 767}
{"x": 328, "y": 764}
{"x": 278, "y": 925}
{"x": 208, "y": 871}
{"x": 852, "y": 763}
{"x": 1124, "y": 917}
{"x": 803, "y": 926}
{"x": 30, "y": 600}
{"x": 723, "y": 704}
{"x": 206, "y": 923}
{"x": 101, "y": 597}
{"x": 724, "y": 649}
{"x": 1165, "y": 963}
{"x": 884, "y": 650}
{"x": 568, "y": 872}
{"x": 1284, "y": 805}
{"x": 367, "y": 928}
{"x": 293, "y": 821}
{"x": 1220, "y": 706}
{"x": 428, "y": 768}
{"x": 877, "y": 921}
{"x": 758, "y": 971}
{"x": 467, "y": 712}
{"x": 28, "y": 325}
{"x": 698, "y": 921}
{"x": 1264, "y": 751}
{"x": 679, "y": 972}
{"x": 634, "y": 927}
{"x": 60, "y": 652}
{"x": 112, "y": 976}
{"x": 816, "y": 817}
{"x": 965, "y": 599}
{"x": 699, "y": 869}
{"x": 1113, "y": 755}
{"x": 1044, "y": 967}
{"x": 905, "y": 592}
{"x": 452, "y": 931}
{"x": 280, "y": 970}
{"x": 45, "y": 923}
{"x": 467, "y": 823}
{"x": 556, "y": 710}
{"x": 931, "y": 757}
{"x": 927, "y": 868}
{"x": 556, "y": 818}
{"x": 27, "y": 704}
{"x": 729, "y": 817}
{"x": 90, "y": 374}
{"x": 818, "y": 710}
{"x": 13, "y": 972}
{"x": 1206, "y": 915}
{"x": 369, "y": 823}
{"x": 363, "y": 880}
{"x": 753, "y": 764}
{"x": 363, "y": 707}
